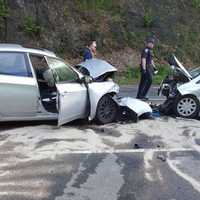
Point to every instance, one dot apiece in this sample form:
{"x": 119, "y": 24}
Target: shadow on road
{"x": 12, "y": 125}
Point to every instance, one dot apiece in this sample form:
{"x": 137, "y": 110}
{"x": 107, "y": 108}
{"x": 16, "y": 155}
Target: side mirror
{"x": 86, "y": 79}
{"x": 172, "y": 67}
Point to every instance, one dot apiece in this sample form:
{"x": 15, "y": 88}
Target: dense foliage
{"x": 65, "y": 26}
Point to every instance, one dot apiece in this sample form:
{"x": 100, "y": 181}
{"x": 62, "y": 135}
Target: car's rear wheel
{"x": 187, "y": 106}
{"x": 106, "y": 110}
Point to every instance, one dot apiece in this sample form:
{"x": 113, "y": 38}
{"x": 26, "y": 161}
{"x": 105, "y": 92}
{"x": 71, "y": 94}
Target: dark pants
{"x": 145, "y": 83}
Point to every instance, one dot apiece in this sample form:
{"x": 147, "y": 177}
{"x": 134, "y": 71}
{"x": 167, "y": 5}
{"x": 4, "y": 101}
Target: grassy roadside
{"x": 132, "y": 75}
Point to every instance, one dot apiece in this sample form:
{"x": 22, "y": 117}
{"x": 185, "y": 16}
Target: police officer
{"x": 147, "y": 69}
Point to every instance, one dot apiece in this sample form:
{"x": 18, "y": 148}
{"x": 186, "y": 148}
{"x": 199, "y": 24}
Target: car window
{"x": 13, "y": 64}
{"x": 195, "y": 72}
{"x": 62, "y": 71}
{"x": 38, "y": 62}
{"x": 39, "y": 65}
{"x": 42, "y": 70}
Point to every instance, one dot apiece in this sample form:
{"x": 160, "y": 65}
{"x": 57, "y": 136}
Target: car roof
{"x": 5, "y": 47}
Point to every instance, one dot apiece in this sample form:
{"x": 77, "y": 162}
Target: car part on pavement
{"x": 138, "y": 106}
{"x": 132, "y": 109}
{"x": 125, "y": 114}
{"x": 161, "y": 157}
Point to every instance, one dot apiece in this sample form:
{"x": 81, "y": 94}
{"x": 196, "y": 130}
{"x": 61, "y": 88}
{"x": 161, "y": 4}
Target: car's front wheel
{"x": 187, "y": 106}
{"x": 106, "y": 110}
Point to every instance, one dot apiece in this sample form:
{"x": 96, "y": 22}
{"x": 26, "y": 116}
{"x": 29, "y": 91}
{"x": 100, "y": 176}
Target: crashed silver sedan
{"x": 37, "y": 85}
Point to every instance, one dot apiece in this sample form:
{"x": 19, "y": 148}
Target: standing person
{"x": 147, "y": 69}
{"x": 90, "y": 51}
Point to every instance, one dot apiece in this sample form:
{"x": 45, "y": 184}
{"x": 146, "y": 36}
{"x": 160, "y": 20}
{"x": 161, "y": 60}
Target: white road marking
{"x": 27, "y": 194}
{"x": 118, "y": 151}
{"x": 148, "y": 157}
{"x": 192, "y": 181}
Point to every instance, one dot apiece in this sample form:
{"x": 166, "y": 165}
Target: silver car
{"x": 182, "y": 89}
{"x": 37, "y": 85}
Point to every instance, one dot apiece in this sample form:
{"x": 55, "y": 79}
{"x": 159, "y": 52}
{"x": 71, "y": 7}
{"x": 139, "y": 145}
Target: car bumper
{"x": 137, "y": 106}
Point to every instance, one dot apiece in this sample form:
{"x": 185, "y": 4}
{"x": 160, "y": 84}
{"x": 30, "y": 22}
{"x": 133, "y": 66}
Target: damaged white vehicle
{"x": 37, "y": 85}
{"x": 182, "y": 90}
{"x": 102, "y": 71}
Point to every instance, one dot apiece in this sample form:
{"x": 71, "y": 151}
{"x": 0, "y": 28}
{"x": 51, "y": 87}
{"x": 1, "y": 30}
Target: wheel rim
{"x": 107, "y": 110}
{"x": 186, "y": 107}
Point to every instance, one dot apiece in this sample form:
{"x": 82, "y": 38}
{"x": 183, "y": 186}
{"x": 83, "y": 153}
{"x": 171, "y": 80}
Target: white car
{"x": 182, "y": 89}
{"x": 37, "y": 85}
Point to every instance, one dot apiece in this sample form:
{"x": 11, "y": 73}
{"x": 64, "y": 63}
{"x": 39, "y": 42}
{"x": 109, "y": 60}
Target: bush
{"x": 66, "y": 12}
{"x": 148, "y": 20}
{"x": 196, "y": 4}
{"x": 94, "y": 4}
{"x": 132, "y": 75}
{"x": 137, "y": 39}
{"x": 4, "y": 12}
{"x": 31, "y": 27}
{"x": 163, "y": 70}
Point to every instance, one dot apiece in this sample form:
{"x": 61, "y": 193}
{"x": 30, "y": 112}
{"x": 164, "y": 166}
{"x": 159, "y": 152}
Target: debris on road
{"x": 161, "y": 157}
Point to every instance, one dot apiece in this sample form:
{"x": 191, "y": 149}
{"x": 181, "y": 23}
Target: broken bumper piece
{"x": 132, "y": 109}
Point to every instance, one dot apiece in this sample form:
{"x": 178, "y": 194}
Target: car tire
{"x": 107, "y": 110}
{"x": 187, "y": 106}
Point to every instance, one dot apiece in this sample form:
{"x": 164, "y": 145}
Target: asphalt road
{"x": 131, "y": 91}
{"x": 151, "y": 160}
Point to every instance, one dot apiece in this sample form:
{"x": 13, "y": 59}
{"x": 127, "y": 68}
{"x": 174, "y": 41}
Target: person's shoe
{"x": 145, "y": 99}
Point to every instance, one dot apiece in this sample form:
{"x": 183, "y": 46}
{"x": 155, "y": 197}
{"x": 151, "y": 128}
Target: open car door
{"x": 72, "y": 99}
{"x": 72, "y": 96}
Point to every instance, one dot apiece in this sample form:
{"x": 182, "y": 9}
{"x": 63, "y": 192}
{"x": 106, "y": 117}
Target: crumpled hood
{"x": 97, "y": 67}
{"x": 182, "y": 68}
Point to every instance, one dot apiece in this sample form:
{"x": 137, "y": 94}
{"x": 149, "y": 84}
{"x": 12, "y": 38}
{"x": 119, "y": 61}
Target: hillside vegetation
{"x": 119, "y": 26}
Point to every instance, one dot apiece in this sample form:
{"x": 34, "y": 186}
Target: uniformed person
{"x": 147, "y": 69}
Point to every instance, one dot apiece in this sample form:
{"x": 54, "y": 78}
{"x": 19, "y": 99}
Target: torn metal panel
{"x": 136, "y": 105}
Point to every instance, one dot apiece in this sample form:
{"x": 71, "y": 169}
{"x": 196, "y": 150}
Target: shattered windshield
{"x": 195, "y": 72}
{"x": 62, "y": 71}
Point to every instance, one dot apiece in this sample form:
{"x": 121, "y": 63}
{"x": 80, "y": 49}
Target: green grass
{"x": 132, "y": 75}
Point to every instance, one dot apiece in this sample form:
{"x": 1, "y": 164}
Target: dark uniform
{"x": 146, "y": 75}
